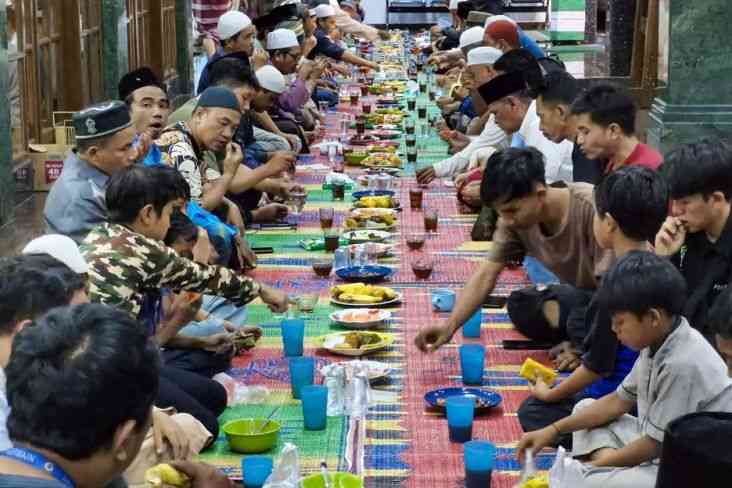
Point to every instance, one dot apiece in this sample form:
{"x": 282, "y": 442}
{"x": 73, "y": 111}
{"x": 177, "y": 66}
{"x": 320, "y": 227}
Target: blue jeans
{"x": 538, "y": 273}
{"x": 219, "y": 309}
{"x": 320, "y": 95}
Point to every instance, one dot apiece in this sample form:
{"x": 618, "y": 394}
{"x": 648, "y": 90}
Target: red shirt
{"x": 642, "y": 155}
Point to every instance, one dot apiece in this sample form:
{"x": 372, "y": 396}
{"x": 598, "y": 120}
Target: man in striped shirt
{"x": 206, "y": 14}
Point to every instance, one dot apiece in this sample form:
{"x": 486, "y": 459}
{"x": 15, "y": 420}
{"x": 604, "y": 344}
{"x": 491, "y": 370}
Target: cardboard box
{"x": 48, "y": 161}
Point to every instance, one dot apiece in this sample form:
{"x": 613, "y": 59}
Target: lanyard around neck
{"x": 40, "y": 462}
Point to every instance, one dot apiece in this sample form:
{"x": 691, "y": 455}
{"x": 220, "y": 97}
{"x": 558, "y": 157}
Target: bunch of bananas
{"x": 165, "y": 475}
{"x": 383, "y": 201}
{"x": 362, "y": 293}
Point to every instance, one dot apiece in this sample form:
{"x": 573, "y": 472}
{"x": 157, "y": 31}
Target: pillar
{"x": 183, "y": 35}
{"x": 697, "y": 100}
{"x": 7, "y": 182}
{"x": 621, "y": 24}
{"x": 115, "y": 45}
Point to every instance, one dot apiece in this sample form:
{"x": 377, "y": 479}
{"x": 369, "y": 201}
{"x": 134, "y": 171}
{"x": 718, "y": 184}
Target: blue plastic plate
{"x": 357, "y": 195}
{"x": 366, "y": 274}
{"x": 488, "y": 398}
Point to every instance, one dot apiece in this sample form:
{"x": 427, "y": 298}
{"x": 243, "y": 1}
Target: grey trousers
{"x": 615, "y": 435}
{"x": 270, "y": 142}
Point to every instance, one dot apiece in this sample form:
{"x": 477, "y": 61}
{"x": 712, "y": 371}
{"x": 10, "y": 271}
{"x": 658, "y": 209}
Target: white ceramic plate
{"x": 361, "y": 318}
{"x": 391, "y": 301}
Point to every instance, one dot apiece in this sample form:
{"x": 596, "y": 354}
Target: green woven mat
{"x": 283, "y": 243}
{"x": 313, "y": 446}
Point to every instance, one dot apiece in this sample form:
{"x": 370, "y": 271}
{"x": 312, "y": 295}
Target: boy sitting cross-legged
{"x": 630, "y": 206}
{"x": 677, "y": 372}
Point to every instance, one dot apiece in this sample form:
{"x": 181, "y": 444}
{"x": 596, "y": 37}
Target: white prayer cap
{"x": 322, "y": 11}
{"x": 496, "y": 18}
{"x": 454, "y": 4}
{"x": 271, "y": 79}
{"x": 483, "y": 55}
{"x": 232, "y": 23}
{"x": 281, "y": 39}
{"x": 312, "y": 12}
{"x": 474, "y": 35}
{"x": 61, "y": 248}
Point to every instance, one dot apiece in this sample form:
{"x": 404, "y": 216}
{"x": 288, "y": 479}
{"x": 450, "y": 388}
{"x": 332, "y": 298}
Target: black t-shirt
{"x": 325, "y": 47}
{"x": 451, "y": 39}
{"x": 601, "y": 344}
{"x": 707, "y": 268}
{"x": 244, "y": 135}
{"x": 586, "y": 170}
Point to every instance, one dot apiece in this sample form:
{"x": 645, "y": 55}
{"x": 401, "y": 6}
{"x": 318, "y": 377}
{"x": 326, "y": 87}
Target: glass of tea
{"x": 422, "y": 112}
{"x": 422, "y": 267}
{"x": 326, "y": 217}
{"x": 360, "y": 125}
{"x": 323, "y": 267}
{"x": 415, "y": 241}
{"x": 410, "y": 140}
{"x": 411, "y": 103}
{"x": 338, "y": 189}
{"x": 355, "y": 96}
{"x": 366, "y": 107}
{"x": 331, "y": 236}
{"x": 430, "y": 220}
{"x": 415, "y": 198}
{"x": 409, "y": 125}
{"x": 364, "y": 90}
{"x": 412, "y": 154}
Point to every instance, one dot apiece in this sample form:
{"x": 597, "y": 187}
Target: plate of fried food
{"x": 370, "y": 221}
{"x": 371, "y": 218}
{"x": 360, "y": 294}
{"x": 355, "y": 343}
{"x": 381, "y": 160}
{"x": 361, "y": 318}
{"x": 381, "y": 119}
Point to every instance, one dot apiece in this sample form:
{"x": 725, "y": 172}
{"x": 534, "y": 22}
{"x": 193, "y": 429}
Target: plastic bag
{"x": 241, "y": 394}
{"x": 286, "y": 470}
{"x": 335, "y": 381}
{"x": 349, "y": 390}
{"x": 566, "y": 472}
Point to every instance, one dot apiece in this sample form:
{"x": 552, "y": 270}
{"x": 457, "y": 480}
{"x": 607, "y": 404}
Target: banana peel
{"x": 166, "y": 476}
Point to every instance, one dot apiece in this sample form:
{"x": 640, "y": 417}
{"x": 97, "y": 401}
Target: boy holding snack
{"x": 677, "y": 372}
